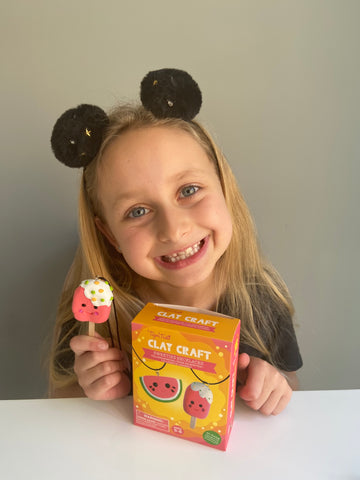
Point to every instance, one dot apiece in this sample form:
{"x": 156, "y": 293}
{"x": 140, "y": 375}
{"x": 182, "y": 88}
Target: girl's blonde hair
{"x": 248, "y": 287}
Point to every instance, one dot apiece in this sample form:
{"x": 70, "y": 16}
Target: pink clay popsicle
{"x": 197, "y": 401}
{"x": 92, "y": 302}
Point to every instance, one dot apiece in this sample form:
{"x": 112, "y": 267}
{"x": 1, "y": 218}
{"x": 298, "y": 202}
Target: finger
{"x": 284, "y": 400}
{"x": 100, "y": 370}
{"x": 243, "y": 364}
{"x": 274, "y": 391}
{"x": 105, "y": 387}
{"x": 275, "y": 403}
{"x": 267, "y": 405}
{"x": 107, "y": 339}
{"x": 89, "y": 360}
{"x": 83, "y": 343}
{"x": 244, "y": 360}
{"x": 257, "y": 402}
{"x": 254, "y": 385}
{"x": 120, "y": 390}
{"x": 97, "y": 335}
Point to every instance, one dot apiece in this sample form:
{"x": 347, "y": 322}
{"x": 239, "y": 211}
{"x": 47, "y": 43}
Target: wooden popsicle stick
{"x": 91, "y": 329}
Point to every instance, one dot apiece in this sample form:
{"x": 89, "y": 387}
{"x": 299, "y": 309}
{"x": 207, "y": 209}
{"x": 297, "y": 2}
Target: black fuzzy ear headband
{"x": 78, "y": 133}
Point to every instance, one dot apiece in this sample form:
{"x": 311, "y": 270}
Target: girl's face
{"x": 163, "y": 206}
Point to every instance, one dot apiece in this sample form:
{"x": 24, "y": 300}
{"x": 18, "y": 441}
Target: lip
{"x": 187, "y": 261}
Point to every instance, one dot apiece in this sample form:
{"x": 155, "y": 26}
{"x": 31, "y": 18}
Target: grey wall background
{"x": 280, "y": 81}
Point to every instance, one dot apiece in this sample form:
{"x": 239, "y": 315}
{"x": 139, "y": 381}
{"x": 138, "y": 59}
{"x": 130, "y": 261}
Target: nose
{"x": 172, "y": 224}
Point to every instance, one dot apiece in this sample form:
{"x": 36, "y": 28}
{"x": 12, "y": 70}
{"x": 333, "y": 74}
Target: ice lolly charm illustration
{"x": 92, "y": 302}
{"x": 197, "y": 401}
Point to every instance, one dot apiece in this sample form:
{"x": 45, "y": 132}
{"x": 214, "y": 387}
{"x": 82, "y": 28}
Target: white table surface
{"x": 316, "y": 437}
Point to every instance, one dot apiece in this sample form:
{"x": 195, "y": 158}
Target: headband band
{"x": 167, "y": 93}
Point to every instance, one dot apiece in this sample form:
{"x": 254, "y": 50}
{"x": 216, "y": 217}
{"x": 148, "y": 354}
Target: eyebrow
{"x": 174, "y": 178}
{"x": 186, "y": 173}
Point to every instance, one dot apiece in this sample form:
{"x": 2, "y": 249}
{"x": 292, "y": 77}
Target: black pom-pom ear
{"x": 171, "y": 93}
{"x": 77, "y": 135}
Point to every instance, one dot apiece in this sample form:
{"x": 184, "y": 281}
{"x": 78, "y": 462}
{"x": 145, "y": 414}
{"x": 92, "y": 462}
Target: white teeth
{"x": 189, "y": 252}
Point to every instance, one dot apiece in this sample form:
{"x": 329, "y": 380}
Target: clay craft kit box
{"x": 184, "y": 372}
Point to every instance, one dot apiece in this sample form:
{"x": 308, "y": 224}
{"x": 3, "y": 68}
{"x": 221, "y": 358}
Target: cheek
{"x": 216, "y": 213}
{"x": 80, "y": 312}
{"x": 220, "y": 221}
{"x": 226, "y": 225}
{"x": 101, "y": 314}
{"x": 135, "y": 245}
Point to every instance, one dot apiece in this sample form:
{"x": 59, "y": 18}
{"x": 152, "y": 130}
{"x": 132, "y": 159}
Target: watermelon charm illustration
{"x": 162, "y": 389}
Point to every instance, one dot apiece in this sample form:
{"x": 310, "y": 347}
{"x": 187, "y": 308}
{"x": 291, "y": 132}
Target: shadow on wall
{"x": 27, "y": 326}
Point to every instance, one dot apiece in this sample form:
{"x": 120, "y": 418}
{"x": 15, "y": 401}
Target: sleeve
{"x": 285, "y": 347}
{"x": 288, "y": 353}
{"x": 244, "y": 348}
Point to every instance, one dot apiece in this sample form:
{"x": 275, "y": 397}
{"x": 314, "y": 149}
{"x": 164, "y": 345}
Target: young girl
{"x": 162, "y": 219}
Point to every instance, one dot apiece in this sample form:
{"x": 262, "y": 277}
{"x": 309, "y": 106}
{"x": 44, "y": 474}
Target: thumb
{"x": 97, "y": 335}
{"x": 243, "y": 363}
{"x": 244, "y": 360}
{"x": 83, "y": 343}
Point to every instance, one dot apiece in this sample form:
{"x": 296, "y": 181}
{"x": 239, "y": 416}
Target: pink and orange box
{"x": 184, "y": 372}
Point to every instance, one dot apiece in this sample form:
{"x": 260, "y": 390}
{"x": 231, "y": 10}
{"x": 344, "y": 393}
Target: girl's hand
{"x": 263, "y": 388}
{"x": 100, "y": 369}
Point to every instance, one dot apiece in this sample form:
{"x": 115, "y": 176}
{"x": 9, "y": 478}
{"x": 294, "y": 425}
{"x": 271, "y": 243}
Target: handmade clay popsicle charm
{"x": 92, "y": 302}
{"x": 197, "y": 401}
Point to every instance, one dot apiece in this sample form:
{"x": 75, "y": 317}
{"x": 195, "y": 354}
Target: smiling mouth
{"x": 183, "y": 254}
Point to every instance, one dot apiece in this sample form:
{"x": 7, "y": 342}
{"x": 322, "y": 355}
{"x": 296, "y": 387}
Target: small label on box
{"x": 150, "y": 421}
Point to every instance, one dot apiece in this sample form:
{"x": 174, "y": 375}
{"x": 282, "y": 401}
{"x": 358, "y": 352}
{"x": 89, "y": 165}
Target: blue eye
{"x": 189, "y": 190}
{"x": 138, "y": 212}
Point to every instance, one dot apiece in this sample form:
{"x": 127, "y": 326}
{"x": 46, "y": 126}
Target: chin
{"x": 191, "y": 280}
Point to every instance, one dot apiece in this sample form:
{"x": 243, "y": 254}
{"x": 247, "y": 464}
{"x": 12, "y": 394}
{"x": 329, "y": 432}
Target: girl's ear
{"x": 104, "y": 229}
